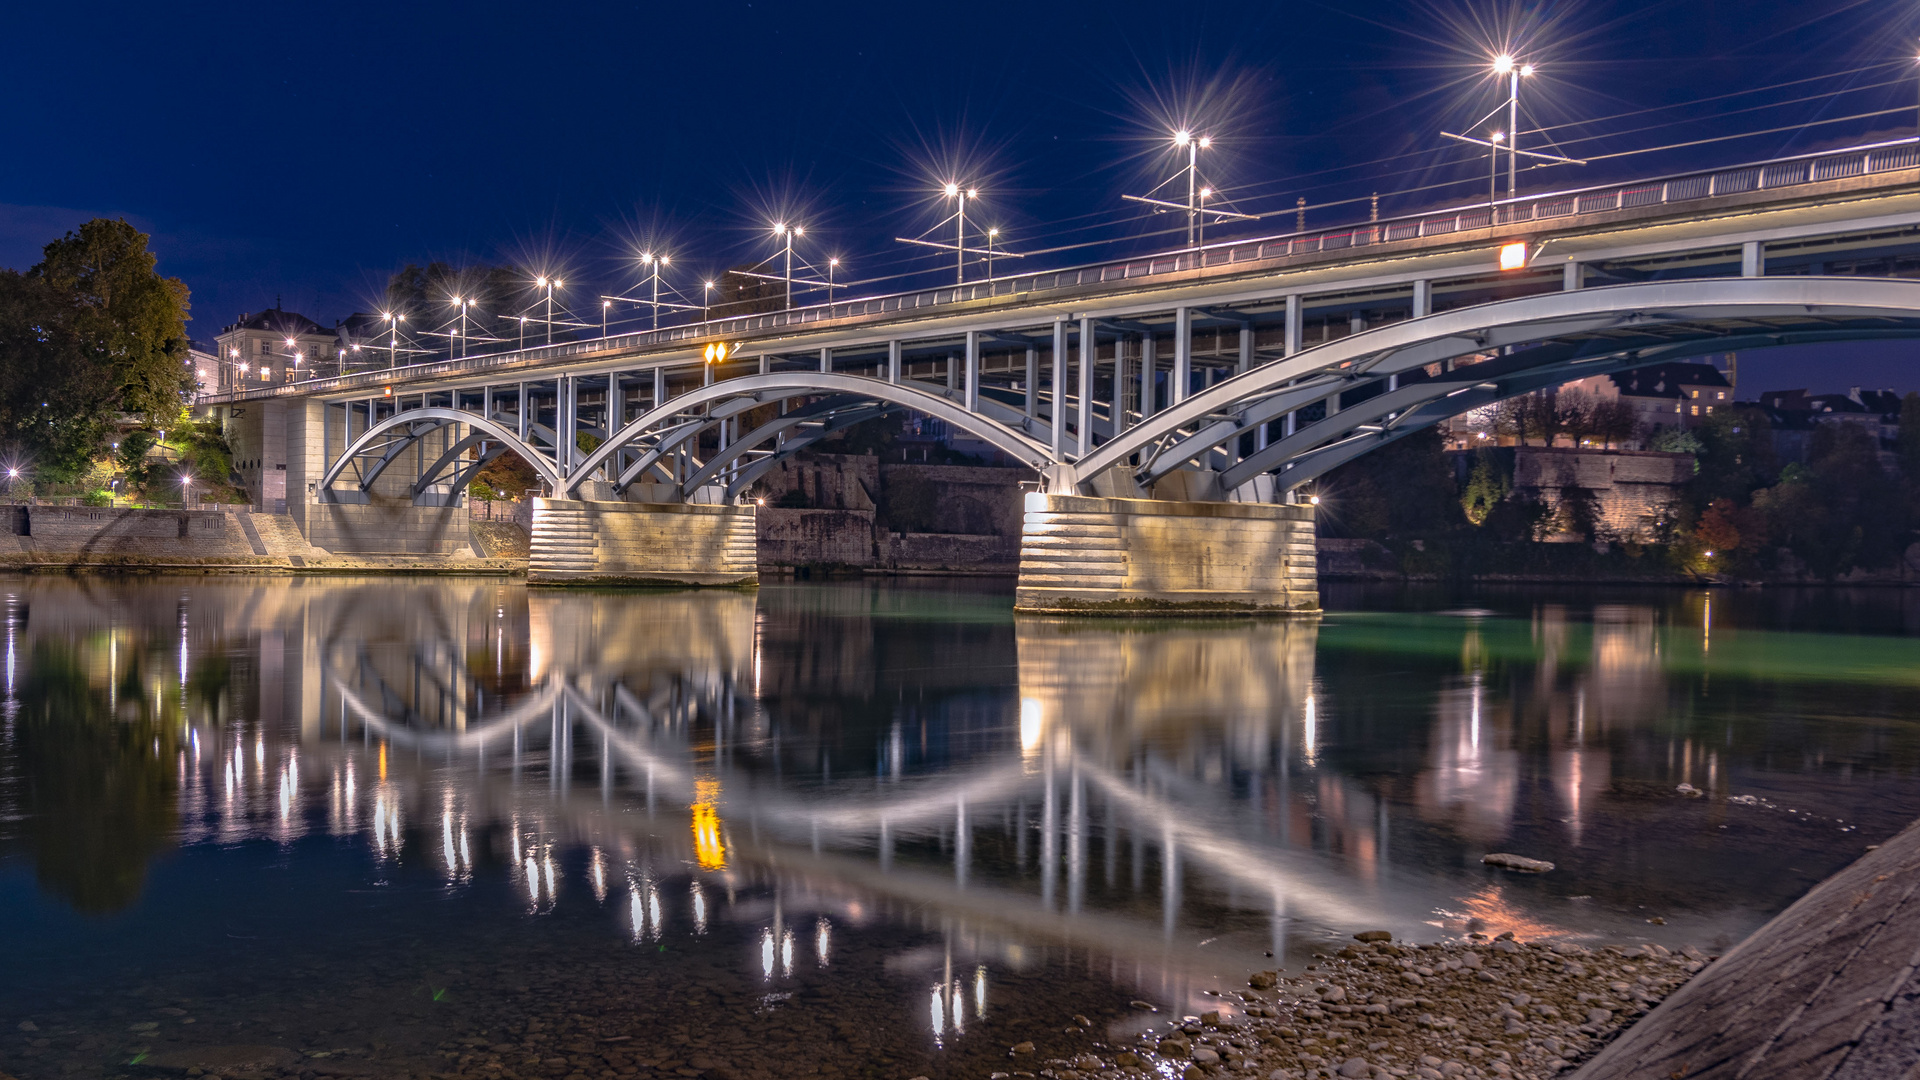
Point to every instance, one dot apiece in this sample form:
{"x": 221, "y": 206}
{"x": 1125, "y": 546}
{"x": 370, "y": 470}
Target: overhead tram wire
{"x": 1290, "y": 185}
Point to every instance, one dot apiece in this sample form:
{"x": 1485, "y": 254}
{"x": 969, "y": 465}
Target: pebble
{"x": 1517, "y": 863}
{"x": 1471, "y": 1010}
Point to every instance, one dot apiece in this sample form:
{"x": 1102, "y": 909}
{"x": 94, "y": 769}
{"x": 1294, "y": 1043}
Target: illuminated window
{"x": 1719, "y": 395}
{"x": 1696, "y": 410}
{"x": 1696, "y": 393}
{"x": 1709, "y": 410}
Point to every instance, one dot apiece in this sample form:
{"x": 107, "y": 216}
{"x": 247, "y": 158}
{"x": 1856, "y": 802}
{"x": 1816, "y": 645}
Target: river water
{"x": 396, "y": 826}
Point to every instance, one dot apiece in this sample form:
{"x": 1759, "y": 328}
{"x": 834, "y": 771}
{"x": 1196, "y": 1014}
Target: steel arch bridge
{"x": 1295, "y": 417}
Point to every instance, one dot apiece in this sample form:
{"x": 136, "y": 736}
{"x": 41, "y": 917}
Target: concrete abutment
{"x": 1098, "y": 556}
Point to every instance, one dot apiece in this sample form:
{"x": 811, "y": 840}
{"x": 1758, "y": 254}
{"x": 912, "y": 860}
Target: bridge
{"x": 1173, "y": 407}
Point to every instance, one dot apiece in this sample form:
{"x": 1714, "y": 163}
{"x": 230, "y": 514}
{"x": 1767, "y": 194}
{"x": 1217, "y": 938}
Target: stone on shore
{"x": 1518, "y": 863}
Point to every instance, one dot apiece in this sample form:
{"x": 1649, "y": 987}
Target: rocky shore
{"x": 1378, "y": 1009}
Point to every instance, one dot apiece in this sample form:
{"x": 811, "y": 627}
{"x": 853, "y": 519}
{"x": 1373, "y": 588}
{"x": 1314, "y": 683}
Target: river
{"x": 397, "y": 826}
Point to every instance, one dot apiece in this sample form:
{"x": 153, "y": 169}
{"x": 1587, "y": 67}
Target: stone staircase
{"x": 562, "y": 541}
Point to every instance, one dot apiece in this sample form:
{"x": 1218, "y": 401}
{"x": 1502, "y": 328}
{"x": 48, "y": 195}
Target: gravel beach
{"x": 1499, "y": 1008}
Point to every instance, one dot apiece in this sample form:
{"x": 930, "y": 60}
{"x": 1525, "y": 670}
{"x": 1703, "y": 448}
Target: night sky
{"x": 304, "y": 151}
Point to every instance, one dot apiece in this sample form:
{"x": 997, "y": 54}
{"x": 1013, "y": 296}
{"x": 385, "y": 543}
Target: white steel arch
{"x": 1546, "y": 339}
{"x": 418, "y": 422}
{"x": 761, "y": 389}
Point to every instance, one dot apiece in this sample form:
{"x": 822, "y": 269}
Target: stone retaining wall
{"x": 376, "y": 529}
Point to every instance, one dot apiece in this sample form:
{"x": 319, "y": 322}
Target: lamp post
{"x": 394, "y": 319}
{"x": 1505, "y": 64}
{"x": 954, "y": 191}
{"x": 1493, "y": 166}
{"x": 706, "y": 295}
{"x": 1193, "y": 144}
{"x": 233, "y": 368}
{"x": 992, "y": 235}
{"x": 655, "y": 264}
{"x": 460, "y": 305}
{"x": 789, "y": 232}
{"x": 832, "y": 265}
{"x": 548, "y": 284}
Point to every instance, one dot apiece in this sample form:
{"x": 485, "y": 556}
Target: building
{"x": 1664, "y": 395}
{"x": 1795, "y": 414}
{"x": 273, "y": 346}
{"x": 1661, "y": 397}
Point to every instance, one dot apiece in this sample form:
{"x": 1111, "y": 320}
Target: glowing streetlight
{"x": 548, "y": 284}
{"x": 789, "y": 233}
{"x": 1493, "y": 165}
{"x": 460, "y": 306}
{"x": 1193, "y": 146}
{"x": 1514, "y": 70}
{"x": 605, "y": 306}
{"x": 655, "y": 263}
{"x": 706, "y": 294}
{"x": 953, "y": 191}
{"x": 832, "y": 265}
{"x": 394, "y": 319}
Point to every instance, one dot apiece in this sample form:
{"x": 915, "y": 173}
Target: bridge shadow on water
{"x": 465, "y": 826}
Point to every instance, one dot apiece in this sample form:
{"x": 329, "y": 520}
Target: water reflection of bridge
{"x": 1124, "y": 789}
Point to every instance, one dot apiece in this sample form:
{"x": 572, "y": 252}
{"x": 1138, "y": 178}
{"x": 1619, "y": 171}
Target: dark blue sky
{"x": 304, "y": 151}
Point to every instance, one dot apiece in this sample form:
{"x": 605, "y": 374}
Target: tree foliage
{"x": 89, "y": 334}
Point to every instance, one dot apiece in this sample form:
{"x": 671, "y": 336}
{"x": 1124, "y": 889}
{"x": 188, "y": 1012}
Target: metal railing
{"x": 1660, "y": 191}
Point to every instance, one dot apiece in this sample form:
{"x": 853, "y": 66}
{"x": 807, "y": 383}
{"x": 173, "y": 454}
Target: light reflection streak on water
{"x": 766, "y": 954}
{"x": 597, "y": 873}
{"x": 980, "y": 991}
{"x": 823, "y": 941}
{"x": 699, "y": 909}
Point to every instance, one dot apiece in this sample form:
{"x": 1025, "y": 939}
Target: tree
{"x": 125, "y": 312}
{"x": 88, "y": 334}
{"x": 57, "y": 400}
{"x": 1404, "y": 489}
{"x": 1909, "y": 444}
{"x": 1487, "y": 485}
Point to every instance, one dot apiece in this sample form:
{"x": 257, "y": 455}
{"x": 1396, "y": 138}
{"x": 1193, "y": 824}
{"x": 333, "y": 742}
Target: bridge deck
{"x": 1830, "y": 989}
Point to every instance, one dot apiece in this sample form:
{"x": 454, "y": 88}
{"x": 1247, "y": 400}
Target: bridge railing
{"x": 1677, "y": 188}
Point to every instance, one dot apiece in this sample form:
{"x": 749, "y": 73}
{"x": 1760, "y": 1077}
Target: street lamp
{"x": 953, "y": 191}
{"x": 394, "y": 319}
{"x": 706, "y": 293}
{"x": 789, "y": 232}
{"x": 605, "y": 306}
{"x": 992, "y": 235}
{"x": 1505, "y": 64}
{"x": 1493, "y": 165}
{"x": 548, "y": 284}
{"x": 460, "y": 304}
{"x": 832, "y": 265}
{"x": 655, "y": 263}
{"x": 1193, "y": 144}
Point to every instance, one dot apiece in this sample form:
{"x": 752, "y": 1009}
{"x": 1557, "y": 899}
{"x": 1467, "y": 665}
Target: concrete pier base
{"x": 630, "y": 543}
{"x": 1097, "y": 556}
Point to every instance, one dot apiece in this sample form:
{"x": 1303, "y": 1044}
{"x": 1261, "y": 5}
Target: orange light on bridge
{"x": 1513, "y": 256}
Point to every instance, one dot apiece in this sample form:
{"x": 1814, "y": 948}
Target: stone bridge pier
{"x": 1089, "y": 555}
{"x": 582, "y": 541}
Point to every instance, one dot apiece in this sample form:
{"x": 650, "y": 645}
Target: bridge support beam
{"x": 1095, "y": 556}
{"x": 631, "y": 543}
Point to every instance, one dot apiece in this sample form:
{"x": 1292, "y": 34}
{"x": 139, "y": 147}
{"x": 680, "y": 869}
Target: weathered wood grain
{"x": 1828, "y": 990}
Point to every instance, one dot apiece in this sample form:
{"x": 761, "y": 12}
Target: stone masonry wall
{"x": 384, "y": 529}
{"x": 1143, "y": 555}
{"x": 1633, "y": 487}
